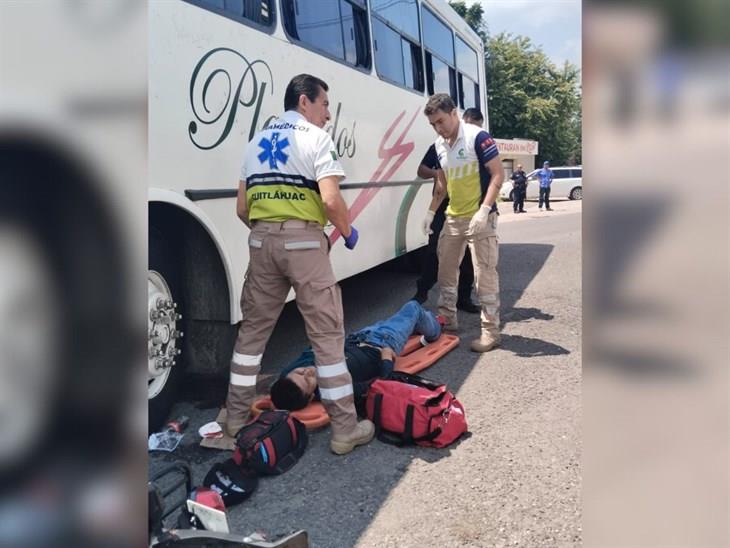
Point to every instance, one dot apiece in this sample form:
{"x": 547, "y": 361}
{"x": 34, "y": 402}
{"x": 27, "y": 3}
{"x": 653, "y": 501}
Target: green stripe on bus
{"x": 401, "y": 222}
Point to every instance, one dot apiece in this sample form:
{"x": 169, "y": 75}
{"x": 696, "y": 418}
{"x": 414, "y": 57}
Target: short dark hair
{"x": 439, "y": 101}
{"x": 303, "y": 84}
{"x": 474, "y": 114}
{"x": 285, "y": 394}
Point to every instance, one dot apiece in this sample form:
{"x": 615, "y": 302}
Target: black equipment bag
{"x": 234, "y": 483}
{"x": 271, "y": 444}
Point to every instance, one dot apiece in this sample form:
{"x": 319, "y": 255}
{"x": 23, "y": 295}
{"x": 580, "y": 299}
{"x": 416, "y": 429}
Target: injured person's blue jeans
{"x": 393, "y": 333}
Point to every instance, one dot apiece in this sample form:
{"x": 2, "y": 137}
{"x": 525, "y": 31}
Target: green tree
{"x": 473, "y": 15}
{"x": 527, "y": 95}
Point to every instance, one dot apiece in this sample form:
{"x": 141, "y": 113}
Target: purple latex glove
{"x": 351, "y": 240}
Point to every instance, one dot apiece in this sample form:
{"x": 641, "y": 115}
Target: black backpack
{"x": 271, "y": 444}
{"x": 232, "y": 482}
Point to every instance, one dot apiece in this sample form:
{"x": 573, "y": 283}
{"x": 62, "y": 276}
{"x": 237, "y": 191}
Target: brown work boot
{"x": 238, "y": 408}
{"x": 485, "y": 342}
{"x": 361, "y": 434}
{"x": 225, "y": 442}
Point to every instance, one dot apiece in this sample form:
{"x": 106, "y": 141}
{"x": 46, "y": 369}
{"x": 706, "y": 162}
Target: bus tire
{"x": 165, "y": 368}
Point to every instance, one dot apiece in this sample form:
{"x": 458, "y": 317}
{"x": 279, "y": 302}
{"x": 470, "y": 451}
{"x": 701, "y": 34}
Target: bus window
{"x": 412, "y": 65}
{"x": 440, "y": 78}
{"x": 440, "y": 65}
{"x": 437, "y": 37}
{"x": 397, "y": 42}
{"x": 466, "y": 59}
{"x": 468, "y": 93}
{"x": 355, "y": 34}
{"x": 335, "y": 27}
{"x": 468, "y": 75}
{"x": 442, "y": 75}
{"x": 402, "y": 15}
{"x": 256, "y": 11}
{"x": 387, "y": 41}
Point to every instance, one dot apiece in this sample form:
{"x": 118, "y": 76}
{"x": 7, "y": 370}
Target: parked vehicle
{"x": 567, "y": 183}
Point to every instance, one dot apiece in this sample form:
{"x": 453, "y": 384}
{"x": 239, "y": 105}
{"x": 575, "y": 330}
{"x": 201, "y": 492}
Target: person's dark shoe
{"x": 468, "y": 306}
{"x": 548, "y": 208}
{"x": 420, "y": 296}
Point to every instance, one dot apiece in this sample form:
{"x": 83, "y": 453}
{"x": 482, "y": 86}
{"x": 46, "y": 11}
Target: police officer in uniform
{"x": 288, "y": 190}
{"x": 519, "y": 189}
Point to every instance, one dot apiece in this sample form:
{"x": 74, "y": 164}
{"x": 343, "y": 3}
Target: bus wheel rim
{"x": 162, "y": 333}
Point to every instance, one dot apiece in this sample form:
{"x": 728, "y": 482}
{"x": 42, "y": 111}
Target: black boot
{"x": 420, "y": 296}
{"x": 467, "y": 305}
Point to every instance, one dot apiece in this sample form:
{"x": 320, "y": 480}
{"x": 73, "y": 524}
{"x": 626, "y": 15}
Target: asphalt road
{"x": 513, "y": 481}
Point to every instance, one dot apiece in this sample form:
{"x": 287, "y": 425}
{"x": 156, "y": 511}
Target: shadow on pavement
{"x": 524, "y": 314}
{"x": 528, "y": 347}
{"x": 518, "y": 266}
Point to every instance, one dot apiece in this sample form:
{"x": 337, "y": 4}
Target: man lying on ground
{"x": 370, "y": 353}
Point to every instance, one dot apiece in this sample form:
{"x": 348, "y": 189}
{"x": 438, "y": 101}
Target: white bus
{"x": 217, "y": 74}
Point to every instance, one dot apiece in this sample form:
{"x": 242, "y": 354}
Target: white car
{"x": 567, "y": 183}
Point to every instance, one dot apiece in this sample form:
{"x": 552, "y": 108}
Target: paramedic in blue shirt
{"x": 545, "y": 175}
{"x": 469, "y": 158}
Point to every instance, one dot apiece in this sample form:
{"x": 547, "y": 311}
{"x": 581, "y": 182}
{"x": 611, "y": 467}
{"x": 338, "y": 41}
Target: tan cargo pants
{"x": 283, "y": 255}
{"x": 484, "y": 248}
